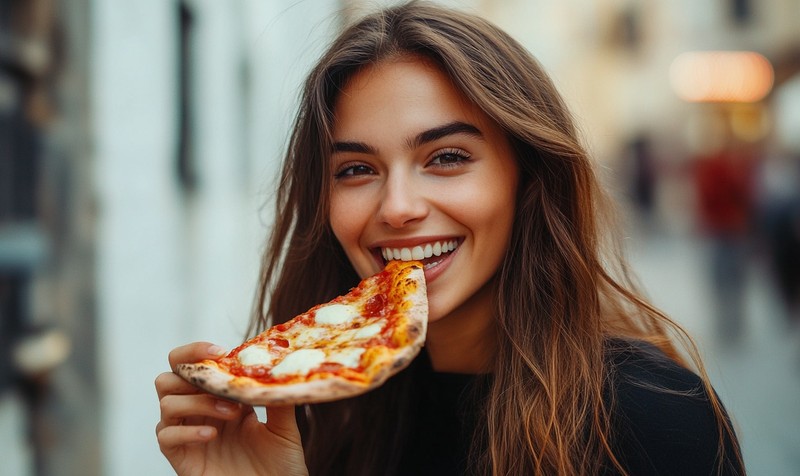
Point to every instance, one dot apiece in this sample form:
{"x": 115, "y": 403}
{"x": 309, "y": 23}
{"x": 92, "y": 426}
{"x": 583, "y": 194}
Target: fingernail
{"x": 216, "y": 350}
{"x": 205, "y": 432}
{"x": 224, "y": 407}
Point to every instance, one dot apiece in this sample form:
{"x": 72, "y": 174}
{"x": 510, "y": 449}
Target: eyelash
{"x": 349, "y": 169}
{"x": 459, "y": 154}
{"x": 343, "y": 171}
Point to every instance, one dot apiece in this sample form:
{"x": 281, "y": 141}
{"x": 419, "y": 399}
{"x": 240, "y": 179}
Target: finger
{"x": 169, "y": 383}
{"x": 172, "y": 437}
{"x": 194, "y": 352}
{"x": 177, "y": 408}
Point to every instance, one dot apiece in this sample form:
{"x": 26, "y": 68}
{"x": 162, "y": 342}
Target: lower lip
{"x": 435, "y": 271}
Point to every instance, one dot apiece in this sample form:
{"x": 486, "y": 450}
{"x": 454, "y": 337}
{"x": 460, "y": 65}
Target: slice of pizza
{"x": 336, "y": 350}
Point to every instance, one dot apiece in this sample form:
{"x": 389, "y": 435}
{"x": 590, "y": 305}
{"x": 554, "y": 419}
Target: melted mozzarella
{"x": 336, "y": 314}
{"x": 299, "y": 362}
{"x": 307, "y": 336}
{"x": 368, "y": 331}
{"x": 349, "y": 356}
{"x": 255, "y": 355}
{"x": 361, "y": 333}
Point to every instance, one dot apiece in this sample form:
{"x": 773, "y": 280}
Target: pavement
{"x": 756, "y": 376}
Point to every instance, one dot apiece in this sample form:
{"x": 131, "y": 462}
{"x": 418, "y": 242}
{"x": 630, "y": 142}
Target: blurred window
{"x": 186, "y": 166}
{"x": 741, "y": 11}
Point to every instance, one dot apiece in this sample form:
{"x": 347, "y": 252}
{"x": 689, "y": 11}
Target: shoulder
{"x": 642, "y": 368}
{"x": 663, "y": 421}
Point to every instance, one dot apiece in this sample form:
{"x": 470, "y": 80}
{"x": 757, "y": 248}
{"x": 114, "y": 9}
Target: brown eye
{"x": 354, "y": 170}
{"x": 449, "y": 158}
{"x": 446, "y": 159}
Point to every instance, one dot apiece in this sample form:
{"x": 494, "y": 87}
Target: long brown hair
{"x": 562, "y": 291}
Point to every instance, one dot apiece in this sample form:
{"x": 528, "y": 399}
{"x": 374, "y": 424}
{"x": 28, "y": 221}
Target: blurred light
{"x": 721, "y": 76}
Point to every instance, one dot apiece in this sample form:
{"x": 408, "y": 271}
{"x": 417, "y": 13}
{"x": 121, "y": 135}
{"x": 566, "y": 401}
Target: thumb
{"x": 281, "y": 420}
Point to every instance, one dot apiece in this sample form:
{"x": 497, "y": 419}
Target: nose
{"x": 402, "y": 202}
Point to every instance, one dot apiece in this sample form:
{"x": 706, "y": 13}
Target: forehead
{"x": 414, "y": 70}
{"x": 407, "y": 90}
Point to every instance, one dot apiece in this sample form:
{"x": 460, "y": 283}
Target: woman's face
{"x": 421, "y": 173}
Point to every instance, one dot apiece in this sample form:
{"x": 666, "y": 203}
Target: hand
{"x": 203, "y": 435}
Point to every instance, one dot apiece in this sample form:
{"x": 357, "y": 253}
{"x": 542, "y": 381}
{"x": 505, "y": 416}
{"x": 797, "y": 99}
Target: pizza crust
{"x": 209, "y": 376}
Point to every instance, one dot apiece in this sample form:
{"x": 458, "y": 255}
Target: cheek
{"x": 493, "y": 230}
{"x": 348, "y": 223}
{"x": 504, "y": 194}
{"x": 493, "y": 215}
{"x": 492, "y": 210}
{"x": 343, "y": 224}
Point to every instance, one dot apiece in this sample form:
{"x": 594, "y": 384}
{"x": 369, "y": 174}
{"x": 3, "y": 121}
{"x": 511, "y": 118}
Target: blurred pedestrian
{"x": 725, "y": 182}
{"x": 779, "y": 226}
{"x": 643, "y": 176}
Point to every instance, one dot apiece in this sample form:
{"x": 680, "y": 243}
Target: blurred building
{"x": 140, "y": 139}
{"x": 192, "y": 104}
{"x": 612, "y": 59}
{"x": 138, "y": 143}
{"x": 47, "y": 239}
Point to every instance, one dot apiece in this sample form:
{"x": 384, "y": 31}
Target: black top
{"x": 662, "y": 422}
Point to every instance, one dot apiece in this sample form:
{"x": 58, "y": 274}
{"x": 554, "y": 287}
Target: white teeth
{"x": 419, "y": 252}
{"x": 431, "y": 265}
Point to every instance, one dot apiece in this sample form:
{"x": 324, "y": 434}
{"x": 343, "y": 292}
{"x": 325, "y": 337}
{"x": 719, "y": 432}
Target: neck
{"x": 463, "y": 341}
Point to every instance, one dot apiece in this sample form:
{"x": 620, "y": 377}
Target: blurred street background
{"x": 139, "y": 141}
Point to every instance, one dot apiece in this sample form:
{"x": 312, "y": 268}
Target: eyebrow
{"x": 430, "y": 135}
{"x": 453, "y": 128}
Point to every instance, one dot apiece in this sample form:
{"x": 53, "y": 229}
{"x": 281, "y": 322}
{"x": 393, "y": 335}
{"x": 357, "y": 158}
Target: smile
{"x": 419, "y": 252}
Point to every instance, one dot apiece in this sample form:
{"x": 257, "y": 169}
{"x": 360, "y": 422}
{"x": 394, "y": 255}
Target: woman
{"x": 422, "y": 125}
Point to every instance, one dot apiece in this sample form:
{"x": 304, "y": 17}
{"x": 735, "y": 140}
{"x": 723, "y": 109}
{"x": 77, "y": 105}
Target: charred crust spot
{"x": 398, "y": 364}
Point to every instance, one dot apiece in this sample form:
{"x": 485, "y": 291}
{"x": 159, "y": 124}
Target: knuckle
{"x": 173, "y": 356}
{"x": 161, "y": 437}
{"x": 166, "y": 404}
{"x": 163, "y": 379}
{"x": 163, "y": 444}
